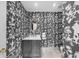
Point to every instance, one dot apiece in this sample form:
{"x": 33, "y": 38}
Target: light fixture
{"x": 54, "y": 4}
{"x": 36, "y": 4}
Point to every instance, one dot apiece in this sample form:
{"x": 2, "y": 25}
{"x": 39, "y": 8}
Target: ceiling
{"x": 43, "y": 6}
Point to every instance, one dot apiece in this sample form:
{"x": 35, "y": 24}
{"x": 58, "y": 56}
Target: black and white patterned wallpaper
{"x": 51, "y": 24}
{"x": 71, "y": 29}
{"x": 17, "y": 27}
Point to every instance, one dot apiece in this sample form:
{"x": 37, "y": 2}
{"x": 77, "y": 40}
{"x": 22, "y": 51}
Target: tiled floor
{"x": 50, "y": 52}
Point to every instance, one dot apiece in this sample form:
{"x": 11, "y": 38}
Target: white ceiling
{"x": 42, "y": 6}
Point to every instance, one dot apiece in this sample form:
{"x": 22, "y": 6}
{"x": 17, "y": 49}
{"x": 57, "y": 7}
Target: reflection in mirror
{"x": 34, "y": 25}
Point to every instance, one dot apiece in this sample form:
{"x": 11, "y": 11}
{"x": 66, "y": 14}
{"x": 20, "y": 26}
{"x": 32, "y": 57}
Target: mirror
{"x": 34, "y": 25}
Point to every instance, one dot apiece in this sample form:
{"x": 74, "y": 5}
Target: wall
{"x": 49, "y": 23}
{"x": 2, "y": 29}
{"x": 17, "y": 15}
{"x": 17, "y": 28}
{"x": 71, "y": 29}
{"x": 2, "y": 24}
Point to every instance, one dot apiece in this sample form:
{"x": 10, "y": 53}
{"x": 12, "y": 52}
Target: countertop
{"x": 31, "y": 37}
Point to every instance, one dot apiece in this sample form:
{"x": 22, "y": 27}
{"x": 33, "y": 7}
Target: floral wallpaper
{"x": 17, "y": 28}
{"x": 71, "y": 29}
{"x": 49, "y": 23}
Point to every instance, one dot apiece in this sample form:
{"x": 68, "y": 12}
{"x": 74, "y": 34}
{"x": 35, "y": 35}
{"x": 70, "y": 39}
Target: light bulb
{"x": 36, "y": 4}
{"x": 54, "y": 4}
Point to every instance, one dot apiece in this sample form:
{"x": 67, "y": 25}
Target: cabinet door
{"x": 36, "y": 49}
{"x": 27, "y": 48}
{"x": 31, "y": 48}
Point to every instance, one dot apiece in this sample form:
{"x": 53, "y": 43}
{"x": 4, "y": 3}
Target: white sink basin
{"x": 31, "y": 37}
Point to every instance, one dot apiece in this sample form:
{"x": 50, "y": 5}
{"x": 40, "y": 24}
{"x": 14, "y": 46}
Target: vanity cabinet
{"x": 31, "y": 47}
